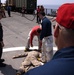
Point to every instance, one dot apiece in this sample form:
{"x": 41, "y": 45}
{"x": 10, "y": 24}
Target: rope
{"x": 33, "y": 17}
{"x": 27, "y": 17}
{"x": 30, "y": 19}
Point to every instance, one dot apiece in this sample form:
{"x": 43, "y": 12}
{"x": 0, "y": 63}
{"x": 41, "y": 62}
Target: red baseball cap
{"x": 65, "y": 15}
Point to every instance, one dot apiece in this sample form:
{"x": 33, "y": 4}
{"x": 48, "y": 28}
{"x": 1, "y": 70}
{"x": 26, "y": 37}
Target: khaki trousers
{"x": 47, "y": 48}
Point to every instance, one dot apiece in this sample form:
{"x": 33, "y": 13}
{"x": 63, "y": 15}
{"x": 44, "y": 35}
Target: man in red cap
{"x": 62, "y": 62}
{"x": 35, "y": 31}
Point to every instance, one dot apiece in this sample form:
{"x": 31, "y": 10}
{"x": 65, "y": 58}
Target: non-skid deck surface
{"x": 12, "y": 64}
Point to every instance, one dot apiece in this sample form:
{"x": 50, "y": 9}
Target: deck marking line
{"x": 22, "y": 48}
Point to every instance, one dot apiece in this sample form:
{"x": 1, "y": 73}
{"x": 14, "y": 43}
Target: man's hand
{"x": 40, "y": 44}
{"x": 31, "y": 45}
{"x": 2, "y": 43}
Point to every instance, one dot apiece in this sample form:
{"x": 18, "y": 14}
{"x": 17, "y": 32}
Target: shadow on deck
{"x": 12, "y": 64}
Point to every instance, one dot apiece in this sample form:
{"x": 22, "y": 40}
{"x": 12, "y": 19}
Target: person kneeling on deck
{"x": 35, "y": 31}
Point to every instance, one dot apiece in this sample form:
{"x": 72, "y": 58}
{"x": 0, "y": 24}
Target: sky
{"x": 53, "y": 2}
{"x": 50, "y": 2}
{"x": 3, "y": 1}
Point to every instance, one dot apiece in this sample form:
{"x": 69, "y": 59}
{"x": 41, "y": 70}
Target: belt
{"x": 48, "y": 35}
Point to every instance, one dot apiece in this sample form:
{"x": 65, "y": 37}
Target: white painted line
{"x": 55, "y": 48}
{"x": 13, "y": 49}
{"x": 22, "y": 48}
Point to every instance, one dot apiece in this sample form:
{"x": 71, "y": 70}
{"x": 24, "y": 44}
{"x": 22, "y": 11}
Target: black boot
{"x": 19, "y": 72}
{"x": 2, "y": 60}
{"x": 2, "y": 64}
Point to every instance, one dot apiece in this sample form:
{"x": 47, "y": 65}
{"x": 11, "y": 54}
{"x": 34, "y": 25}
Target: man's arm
{"x": 1, "y": 35}
{"x": 40, "y": 44}
{"x": 31, "y": 39}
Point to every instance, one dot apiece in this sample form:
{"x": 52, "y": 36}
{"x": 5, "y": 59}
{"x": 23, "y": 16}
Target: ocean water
{"x": 51, "y": 6}
{"x": 49, "y": 9}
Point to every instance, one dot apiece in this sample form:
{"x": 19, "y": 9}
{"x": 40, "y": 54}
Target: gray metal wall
{"x": 30, "y": 5}
{"x": 20, "y": 3}
{"x": 27, "y": 3}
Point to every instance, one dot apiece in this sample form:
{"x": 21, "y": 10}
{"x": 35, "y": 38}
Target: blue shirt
{"x": 46, "y": 28}
{"x": 8, "y": 8}
{"x": 62, "y": 63}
